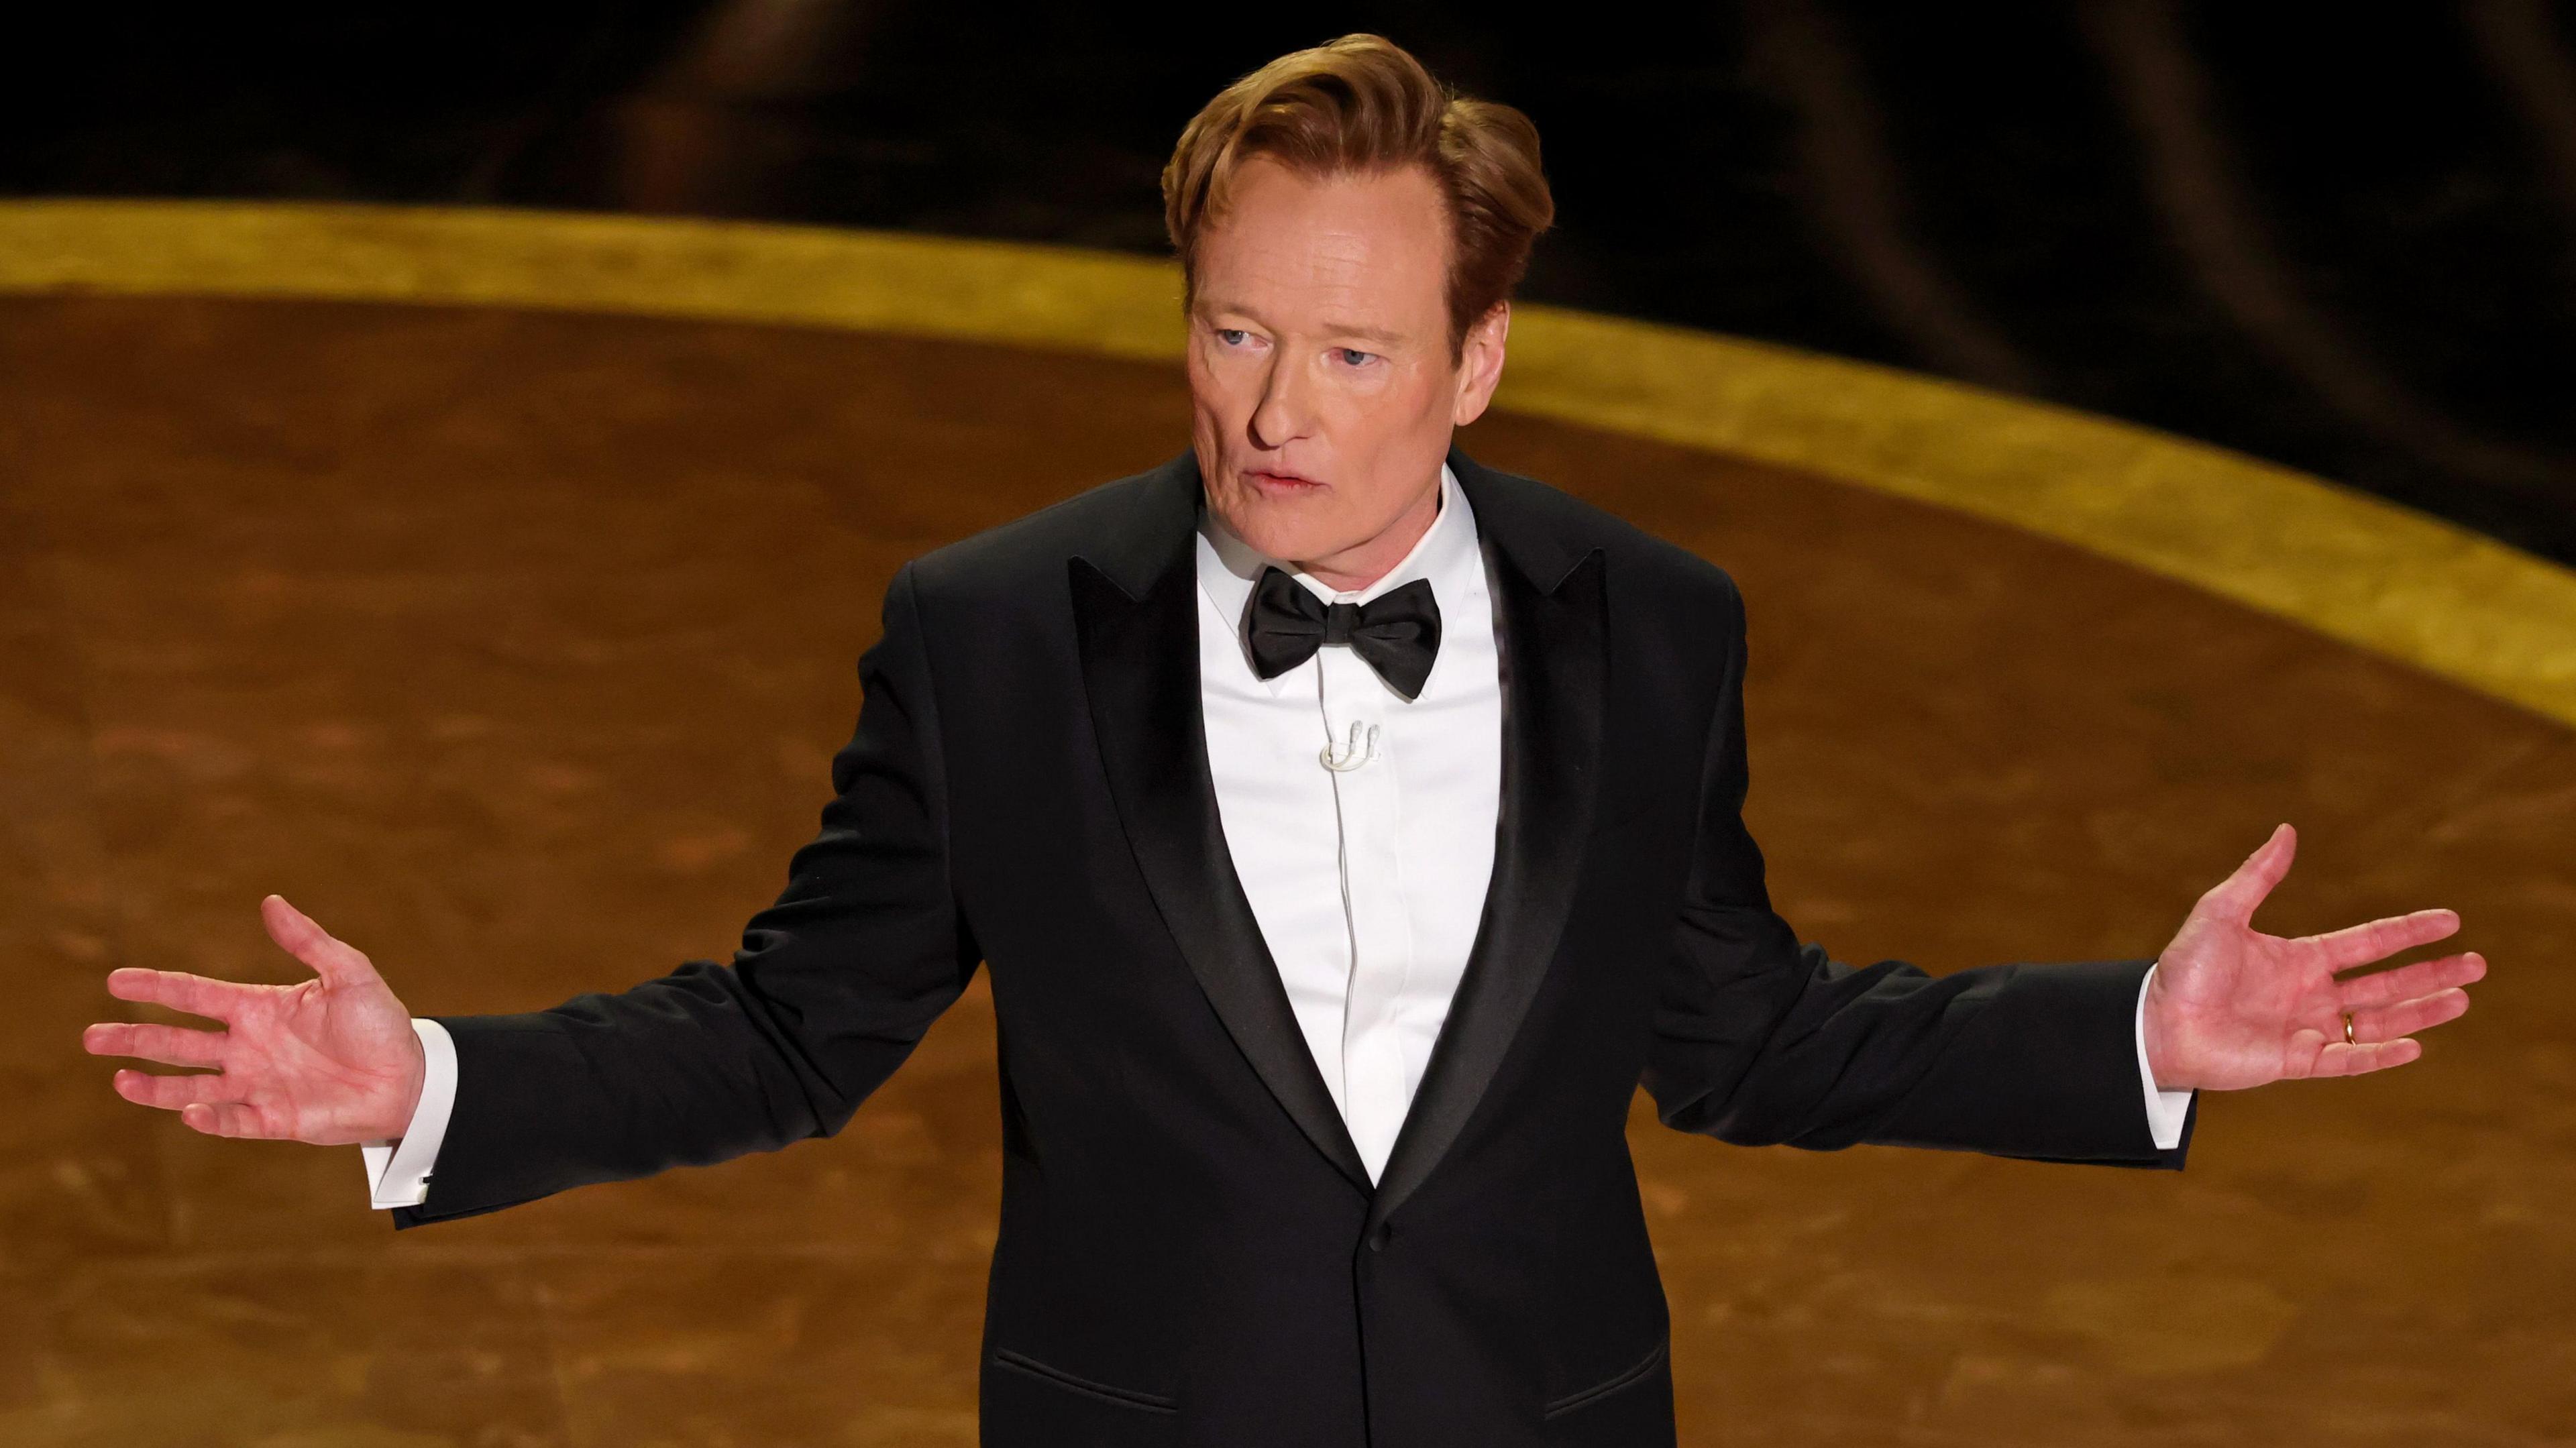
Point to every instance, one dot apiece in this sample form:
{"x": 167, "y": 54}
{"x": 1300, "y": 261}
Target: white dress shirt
{"x": 1367, "y": 880}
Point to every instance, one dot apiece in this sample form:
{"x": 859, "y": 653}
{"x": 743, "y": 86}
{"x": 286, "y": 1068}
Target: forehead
{"x": 1374, "y": 241}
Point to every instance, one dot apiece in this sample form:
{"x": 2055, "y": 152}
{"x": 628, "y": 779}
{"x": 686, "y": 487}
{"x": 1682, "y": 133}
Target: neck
{"x": 1356, "y": 567}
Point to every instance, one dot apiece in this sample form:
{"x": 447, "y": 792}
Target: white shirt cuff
{"x": 398, "y": 1170}
{"x": 2165, "y": 1109}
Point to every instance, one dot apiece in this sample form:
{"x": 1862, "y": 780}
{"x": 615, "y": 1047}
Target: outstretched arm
{"x": 1763, "y": 1039}
{"x": 833, "y": 986}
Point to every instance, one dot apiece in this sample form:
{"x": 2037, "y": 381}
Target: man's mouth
{"x": 1278, "y": 482}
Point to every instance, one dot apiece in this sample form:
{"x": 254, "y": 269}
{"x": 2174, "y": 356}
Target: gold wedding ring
{"x": 2347, "y": 1030}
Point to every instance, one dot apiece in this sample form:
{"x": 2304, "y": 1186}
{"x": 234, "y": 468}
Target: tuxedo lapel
{"x": 1136, "y": 618}
{"x": 1550, "y": 626}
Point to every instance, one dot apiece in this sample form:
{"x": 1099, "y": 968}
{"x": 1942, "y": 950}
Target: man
{"x": 1349, "y": 829}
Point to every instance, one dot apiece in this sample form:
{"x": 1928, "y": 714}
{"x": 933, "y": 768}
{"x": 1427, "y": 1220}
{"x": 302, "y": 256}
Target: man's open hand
{"x": 330, "y": 1061}
{"x": 2231, "y": 1007}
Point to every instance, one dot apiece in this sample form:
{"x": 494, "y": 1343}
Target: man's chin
{"x": 1286, "y": 528}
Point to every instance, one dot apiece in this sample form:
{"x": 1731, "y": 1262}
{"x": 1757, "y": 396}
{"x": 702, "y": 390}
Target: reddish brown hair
{"x": 1362, "y": 104}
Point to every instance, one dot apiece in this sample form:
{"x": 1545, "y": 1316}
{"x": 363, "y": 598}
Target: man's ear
{"x": 1480, "y": 364}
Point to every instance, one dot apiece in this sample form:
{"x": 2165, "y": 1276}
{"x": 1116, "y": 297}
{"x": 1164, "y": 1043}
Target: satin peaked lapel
{"x": 1551, "y": 628}
{"x": 1140, "y": 662}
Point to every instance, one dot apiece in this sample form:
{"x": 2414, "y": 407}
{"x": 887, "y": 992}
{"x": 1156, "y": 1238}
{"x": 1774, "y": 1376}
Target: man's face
{"x": 1322, "y": 392}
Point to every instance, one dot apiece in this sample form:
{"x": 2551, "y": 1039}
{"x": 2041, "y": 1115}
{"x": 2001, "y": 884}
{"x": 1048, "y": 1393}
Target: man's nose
{"x": 1283, "y": 414}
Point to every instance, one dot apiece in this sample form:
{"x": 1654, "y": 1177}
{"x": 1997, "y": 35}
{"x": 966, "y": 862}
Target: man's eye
{"x": 1231, "y": 336}
{"x": 1355, "y": 356}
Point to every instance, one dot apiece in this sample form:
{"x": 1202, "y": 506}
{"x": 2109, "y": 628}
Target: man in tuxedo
{"x": 1349, "y": 829}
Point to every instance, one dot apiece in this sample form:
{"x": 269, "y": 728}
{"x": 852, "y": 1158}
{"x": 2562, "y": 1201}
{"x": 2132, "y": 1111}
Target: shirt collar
{"x": 1446, "y": 554}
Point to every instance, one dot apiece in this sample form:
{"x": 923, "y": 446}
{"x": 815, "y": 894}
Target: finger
{"x": 195, "y": 994}
{"x": 2406, "y": 982}
{"x": 2339, "y": 1059}
{"x": 2379, "y": 939}
{"x": 331, "y": 958}
{"x": 2236, "y": 897}
{"x": 223, "y": 1119}
{"x": 2387, "y": 1023}
{"x": 170, "y": 1093}
{"x": 169, "y": 1045}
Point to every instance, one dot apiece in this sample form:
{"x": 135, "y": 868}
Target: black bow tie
{"x": 1398, "y": 632}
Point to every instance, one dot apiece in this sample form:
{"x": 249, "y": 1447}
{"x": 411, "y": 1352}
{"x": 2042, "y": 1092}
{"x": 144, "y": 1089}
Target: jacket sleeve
{"x": 1761, "y": 1039}
{"x": 833, "y": 986}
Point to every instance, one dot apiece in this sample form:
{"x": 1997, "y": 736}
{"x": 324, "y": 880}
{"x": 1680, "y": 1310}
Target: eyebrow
{"x": 1335, "y": 329}
{"x": 1366, "y": 334}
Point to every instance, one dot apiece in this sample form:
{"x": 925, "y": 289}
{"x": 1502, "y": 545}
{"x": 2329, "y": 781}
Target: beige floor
{"x": 514, "y": 647}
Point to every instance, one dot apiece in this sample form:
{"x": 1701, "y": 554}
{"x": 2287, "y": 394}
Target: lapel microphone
{"x": 1360, "y": 750}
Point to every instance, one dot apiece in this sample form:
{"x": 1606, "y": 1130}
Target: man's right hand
{"x": 330, "y": 1061}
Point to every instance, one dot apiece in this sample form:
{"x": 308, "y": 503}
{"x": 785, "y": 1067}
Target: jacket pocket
{"x": 1021, "y": 1362}
{"x": 1624, "y": 1378}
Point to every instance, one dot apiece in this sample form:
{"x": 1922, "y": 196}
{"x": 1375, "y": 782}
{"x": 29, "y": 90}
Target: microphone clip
{"x": 1360, "y": 750}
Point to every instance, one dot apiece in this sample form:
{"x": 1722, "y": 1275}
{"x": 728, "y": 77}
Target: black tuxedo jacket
{"x": 1190, "y": 1250}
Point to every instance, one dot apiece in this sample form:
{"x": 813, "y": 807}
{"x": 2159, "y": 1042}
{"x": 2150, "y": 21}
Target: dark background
{"x": 2341, "y": 237}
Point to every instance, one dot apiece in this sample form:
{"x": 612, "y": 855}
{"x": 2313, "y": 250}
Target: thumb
{"x": 336, "y": 961}
{"x": 2236, "y": 897}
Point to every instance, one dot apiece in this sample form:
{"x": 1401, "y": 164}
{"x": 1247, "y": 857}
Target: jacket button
{"x": 1377, "y": 1239}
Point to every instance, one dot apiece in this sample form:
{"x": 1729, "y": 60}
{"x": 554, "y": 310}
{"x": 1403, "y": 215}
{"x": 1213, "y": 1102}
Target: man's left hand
{"x": 2231, "y": 1007}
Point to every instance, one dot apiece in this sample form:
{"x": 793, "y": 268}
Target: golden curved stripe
{"x": 2357, "y": 569}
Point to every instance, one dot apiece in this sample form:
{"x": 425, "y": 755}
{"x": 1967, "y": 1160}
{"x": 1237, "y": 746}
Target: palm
{"x": 330, "y": 1060}
{"x": 2232, "y": 1007}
